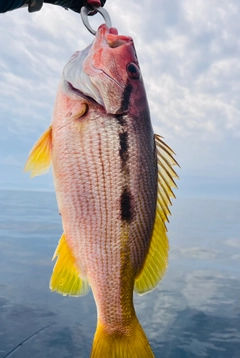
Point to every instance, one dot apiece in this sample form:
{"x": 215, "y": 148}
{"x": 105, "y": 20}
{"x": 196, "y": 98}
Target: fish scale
{"x": 113, "y": 181}
{"x": 110, "y": 230}
{"x": 109, "y": 194}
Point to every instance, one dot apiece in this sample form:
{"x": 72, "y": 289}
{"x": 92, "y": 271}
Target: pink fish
{"x": 113, "y": 180}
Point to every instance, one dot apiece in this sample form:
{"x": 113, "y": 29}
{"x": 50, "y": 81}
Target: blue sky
{"x": 189, "y": 55}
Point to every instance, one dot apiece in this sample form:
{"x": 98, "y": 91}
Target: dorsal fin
{"x": 39, "y": 159}
{"x": 157, "y": 258}
{"x": 65, "y": 277}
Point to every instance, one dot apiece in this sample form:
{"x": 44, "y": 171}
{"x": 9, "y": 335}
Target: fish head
{"x": 106, "y": 71}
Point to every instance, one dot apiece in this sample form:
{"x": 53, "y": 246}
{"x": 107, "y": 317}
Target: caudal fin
{"x": 133, "y": 344}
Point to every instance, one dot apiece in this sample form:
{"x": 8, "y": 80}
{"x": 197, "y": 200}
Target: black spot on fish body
{"x": 126, "y": 205}
{"x": 126, "y": 97}
{"x": 123, "y": 151}
{"x": 120, "y": 118}
{"x": 123, "y": 141}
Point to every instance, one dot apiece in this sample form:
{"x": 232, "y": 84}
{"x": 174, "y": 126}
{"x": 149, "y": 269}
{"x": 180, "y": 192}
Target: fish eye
{"x": 133, "y": 70}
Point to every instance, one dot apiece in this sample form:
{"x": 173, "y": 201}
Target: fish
{"x": 114, "y": 180}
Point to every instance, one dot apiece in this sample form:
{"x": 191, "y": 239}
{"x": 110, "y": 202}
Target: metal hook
{"x": 84, "y": 15}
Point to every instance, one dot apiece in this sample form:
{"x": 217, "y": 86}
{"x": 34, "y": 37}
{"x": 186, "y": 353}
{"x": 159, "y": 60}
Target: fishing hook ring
{"x": 84, "y": 15}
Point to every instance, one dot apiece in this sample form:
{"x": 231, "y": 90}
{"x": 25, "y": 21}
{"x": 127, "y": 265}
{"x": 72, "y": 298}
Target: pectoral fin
{"x": 66, "y": 277}
{"x": 39, "y": 159}
{"x": 157, "y": 258}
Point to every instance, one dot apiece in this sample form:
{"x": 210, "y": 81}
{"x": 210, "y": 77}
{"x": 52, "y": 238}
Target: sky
{"x": 189, "y": 55}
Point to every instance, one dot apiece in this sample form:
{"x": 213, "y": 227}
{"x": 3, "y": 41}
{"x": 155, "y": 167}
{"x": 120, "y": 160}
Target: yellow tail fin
{"x": 133, "y": 344}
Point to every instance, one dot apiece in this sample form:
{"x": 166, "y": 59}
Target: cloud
{"x": 196, "y": 69}
{"x": 186, "y": 49}
{"x": 10, "y": 160}
{"x": 233, "y": 242}
{"x": 196, "y": 253}
{"x": 189, "y": 57}
{"x": 203, "y": 290}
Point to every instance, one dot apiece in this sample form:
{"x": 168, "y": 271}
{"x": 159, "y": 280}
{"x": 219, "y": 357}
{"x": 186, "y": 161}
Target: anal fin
{"x": 66, "y": 277}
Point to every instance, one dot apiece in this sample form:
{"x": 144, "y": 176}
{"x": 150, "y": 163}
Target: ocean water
{"x": 194, "y": 312}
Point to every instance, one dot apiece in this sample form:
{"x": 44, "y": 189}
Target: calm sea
{"x": 194, "y": 312}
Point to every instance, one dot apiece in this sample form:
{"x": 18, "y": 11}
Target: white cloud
{"x": 10, "y": 160}
{"x": 232, "y": 242}
{"x": 192, "y": 85}
{"x": 189, "y": 55}
{"x": 196, "y": 253}
{"x": 201, "y": 290}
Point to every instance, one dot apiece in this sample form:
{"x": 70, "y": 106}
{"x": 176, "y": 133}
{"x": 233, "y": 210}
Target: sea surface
{"x": 194, "y": 312}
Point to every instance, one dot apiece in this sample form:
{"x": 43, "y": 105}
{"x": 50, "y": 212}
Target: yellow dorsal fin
{"x": 157, "y": 258}
{"x": 39, "y": 159}
{"x": 65, "y": 277}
